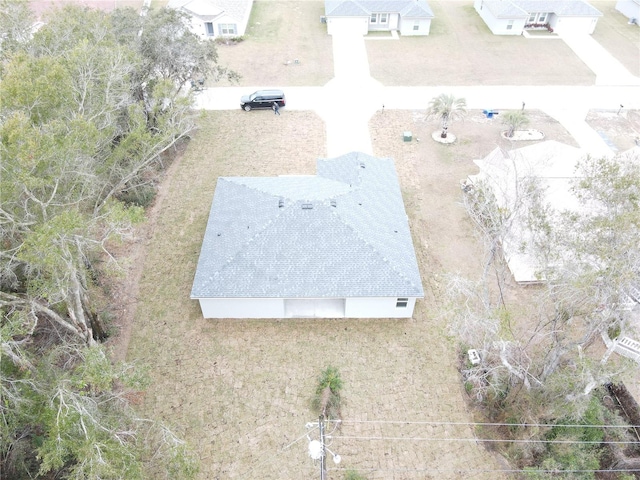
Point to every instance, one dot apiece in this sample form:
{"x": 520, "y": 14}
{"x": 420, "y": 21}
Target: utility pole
{"x": 318, "y": 448}
{"x": 323, "y": 456}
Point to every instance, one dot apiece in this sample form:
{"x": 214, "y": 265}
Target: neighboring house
{"x": 216, "y": 18}
{"x": 630, "y": 9}
{"x": 553, "y": 166}
{"x": 332, "y": 245}
{"x": 512, "y": 17}
{"x": 407, "y": 17}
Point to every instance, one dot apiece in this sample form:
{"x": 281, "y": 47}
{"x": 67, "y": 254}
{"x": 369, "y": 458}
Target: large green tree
{"x": 90, "y": 105}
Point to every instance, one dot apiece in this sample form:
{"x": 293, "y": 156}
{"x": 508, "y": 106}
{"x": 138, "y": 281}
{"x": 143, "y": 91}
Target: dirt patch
{"x": 123, "y": 292}
{"x": 619, "y": 128}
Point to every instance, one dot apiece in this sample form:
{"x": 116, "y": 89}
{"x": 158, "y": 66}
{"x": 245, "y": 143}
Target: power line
{"x": 270, "y": 456}
{"x": 485, "y": 424}
{"x": 488, "y": 440}
{"x": 478, "y": 470}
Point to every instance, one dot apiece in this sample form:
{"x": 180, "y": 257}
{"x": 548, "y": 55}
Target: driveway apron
{"x": 350, "y": 98}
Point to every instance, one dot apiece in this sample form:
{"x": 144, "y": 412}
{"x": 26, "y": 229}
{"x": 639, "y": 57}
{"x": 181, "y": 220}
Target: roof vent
{"x": 281, "y": 203}
{"x": 334, "y": 203}
{"x": 307, "y": 206}
{"x": 362, "y": 165}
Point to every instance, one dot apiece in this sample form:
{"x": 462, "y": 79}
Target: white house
{"x": 216, "y": 18}
{"x": 407, "y": 17}
{"x": 553, "y": 165}
{"x": 512, "y": 17}
{"x": 630, "y": 9}
{"x": 336, "y": 244}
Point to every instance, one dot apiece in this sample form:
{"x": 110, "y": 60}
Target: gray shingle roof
{"x": 363, "y": 8}
{"x": 208, "y": 10}
{"x": 521, "y": 8}
{"x": 559, "y": 7}
{"x": 504, "y": 9}
{"x": 342, "y": 233}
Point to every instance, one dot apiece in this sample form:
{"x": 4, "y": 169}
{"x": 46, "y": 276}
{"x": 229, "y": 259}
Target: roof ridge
{"x": 375, "y": 250}
{"x": 244, "y": 247}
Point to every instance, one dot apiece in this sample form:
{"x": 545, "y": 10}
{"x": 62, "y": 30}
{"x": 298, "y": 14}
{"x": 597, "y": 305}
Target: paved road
{"x": 347, "y": 102}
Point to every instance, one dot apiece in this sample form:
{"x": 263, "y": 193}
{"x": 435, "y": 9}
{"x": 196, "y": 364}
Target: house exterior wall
{"x": 391, "y": 24}
{"x": 366, "y": 307}
{"x": 499, "y": 26}
{"x": 337, "y": 25}
{"x": 375, "y": 307}
{"x": 629, "y": 9}
{"x": 242, "y": 307}
{"x": 407, "y": 26}
{"x": 573, "y": 24}
{"x": 503, "y": 26}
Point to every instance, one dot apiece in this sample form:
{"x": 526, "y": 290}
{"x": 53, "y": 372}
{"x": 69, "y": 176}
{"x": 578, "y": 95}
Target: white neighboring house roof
{"x": 553, "y": 164}
{"x": 341, "y": 233}
{"x": 504, "y": 9}
{"x": 364, "y": 8}
{"x": 209, "y": 10}
{"x": 562, "y": 8}
{"x": 522, "y": 8}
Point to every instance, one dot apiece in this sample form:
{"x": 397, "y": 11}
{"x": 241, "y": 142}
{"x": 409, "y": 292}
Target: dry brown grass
{"x": 241, "y": 391}
{"x": 619, "y": 38}
{"x": 461, "y": 50}
{"x": 279, "y": 32}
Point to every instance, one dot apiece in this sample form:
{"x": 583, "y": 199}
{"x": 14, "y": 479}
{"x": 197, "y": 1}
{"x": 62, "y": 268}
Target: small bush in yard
{"x": 327, "y": 396}
{"x": 353, "y": 475}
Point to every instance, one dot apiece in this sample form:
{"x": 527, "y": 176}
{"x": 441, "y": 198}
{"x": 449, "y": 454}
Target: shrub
{"x": 353, "y": 475}
{"x": 326, "y": 400}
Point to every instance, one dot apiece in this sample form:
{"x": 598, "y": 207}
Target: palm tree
{"x": 446, "y": 108}
{"x": 514, "y": 120}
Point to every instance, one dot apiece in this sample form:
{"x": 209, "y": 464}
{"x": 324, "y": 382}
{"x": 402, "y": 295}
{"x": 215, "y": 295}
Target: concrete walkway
{"x": 608, "y": 70}
{"x": 347, "y": 102}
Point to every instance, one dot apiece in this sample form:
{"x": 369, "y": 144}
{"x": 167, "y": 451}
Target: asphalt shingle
{"x": 342, "y": 233}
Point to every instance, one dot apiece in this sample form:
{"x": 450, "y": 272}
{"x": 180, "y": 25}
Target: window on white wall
{"x": 510, "y": 25}
{"x": 402, "y": 303}
{"x": 384, "y": 17}
{"x": 209, "y": 29}
{"x": 416, "y": 25}
{"x": 227, "y": 28}
{"x": 374, "y": 18}
{"x": 532, "y": 18}
{"x": 542, "y": 18}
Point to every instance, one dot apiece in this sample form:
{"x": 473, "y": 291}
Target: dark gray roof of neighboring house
{"x": 363, "y": 8}
{"x": 342, "y": 233}
{"x": 522, "y": 8}
{"x": 208, "y": 10}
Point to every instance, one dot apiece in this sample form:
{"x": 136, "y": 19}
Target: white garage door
{"x": 573, "y": 26}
